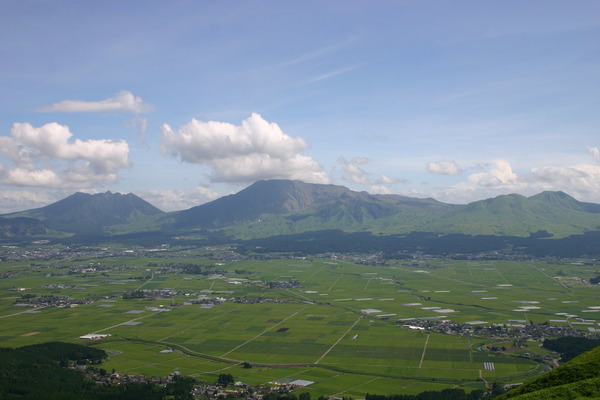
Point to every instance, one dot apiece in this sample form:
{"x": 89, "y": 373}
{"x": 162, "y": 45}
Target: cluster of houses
{"x": 244, "y": 391}
{"x": 514, "y": 329}
{"x": 260, "y": 300}
{"x": 34, "y": 301}
{"x": 101, "y": 376}
{"x": 206, "y": 391}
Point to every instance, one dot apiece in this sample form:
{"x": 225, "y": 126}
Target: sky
{"x": 181, "y": 102}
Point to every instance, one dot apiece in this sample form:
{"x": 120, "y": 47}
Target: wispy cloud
{"x": 329, "y": 75}
{"x": 321, "y": 52}
{"x": 123, "y": 101}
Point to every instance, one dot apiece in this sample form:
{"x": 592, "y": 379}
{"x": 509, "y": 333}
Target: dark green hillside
{"x": 347, "y": 214}
{"x": 549, "y": 214}
{"x": 87, "y": 213}
{"x": 21, "y": 227}
{"x": 275, "y": 197}
{"x": 570, "y": 347}
{"x": 576, "y": 379}
{"x": 417, "y": 203}
{"x": 39, "y": 372}
{"x": 281, "y": 207}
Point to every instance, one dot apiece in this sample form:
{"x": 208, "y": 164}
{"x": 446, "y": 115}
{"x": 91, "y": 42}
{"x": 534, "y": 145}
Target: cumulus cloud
{"x": 355, "y": 174}
{"x": 47, "y": 157}
{"x": 124, "y": 101}
{"x": 499, "y": 175}
{"x": 444, "y": 167}
{"x": 496, "y": 178}
{"x": 21, "y": 200}
{"x": 581, "y": 181}
{"x": 256, "y": 149}
{"x": 174, "y": 200}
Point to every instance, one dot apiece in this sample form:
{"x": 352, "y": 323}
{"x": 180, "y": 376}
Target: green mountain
{"x": 270, "y": 208}
{"x": 557, "y": 213}
{"x": 576, "y": 379}
{"x": 278, "y": 207}
{"x": 84, "y": 213}
{"x": 283, "y": 207}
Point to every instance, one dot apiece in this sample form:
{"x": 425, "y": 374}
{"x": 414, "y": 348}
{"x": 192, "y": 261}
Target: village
{"x": 225, "y": 387}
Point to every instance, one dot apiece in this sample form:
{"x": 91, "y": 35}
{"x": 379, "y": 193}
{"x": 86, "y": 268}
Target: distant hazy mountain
{"x": 284, "y": 207}
{"x": 90, "y": 213}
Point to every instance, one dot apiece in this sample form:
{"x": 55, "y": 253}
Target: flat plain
{"x": 332, "y": 321}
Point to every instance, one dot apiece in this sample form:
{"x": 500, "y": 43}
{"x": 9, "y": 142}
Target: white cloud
{"x": 499, "y": 175}
{"x": 28, "y": 177}
{"x": 496, "y": 179}
{"x": 123, "y": 101}
{"x": 355, "y": 174}
{"x": 21, "y": 200}
{"x": 256, "y": 149}
{"x": 444, "y": 167}
{"x": 380, "y": 189}
{"x": 580, "y": 180}
{"x": 46, "y": 157}
{"x": 388, "y": 181}
{"x": 173, "y": 200}
{"x": 595, "y": 152}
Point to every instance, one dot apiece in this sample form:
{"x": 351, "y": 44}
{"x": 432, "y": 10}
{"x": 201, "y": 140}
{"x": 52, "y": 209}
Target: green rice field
{"x": 337, "y": 325}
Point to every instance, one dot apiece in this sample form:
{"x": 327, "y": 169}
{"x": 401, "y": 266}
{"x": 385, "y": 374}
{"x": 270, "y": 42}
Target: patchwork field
{"x": 329, "y": 321}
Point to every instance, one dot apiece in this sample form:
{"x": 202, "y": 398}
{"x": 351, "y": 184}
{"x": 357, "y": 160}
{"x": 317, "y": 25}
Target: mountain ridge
{"x": 90, "y": 213}
{"x": 284, "y": 207}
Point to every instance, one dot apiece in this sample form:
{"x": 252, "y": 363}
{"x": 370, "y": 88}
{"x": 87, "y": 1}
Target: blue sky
{"x": 181, "y": 102}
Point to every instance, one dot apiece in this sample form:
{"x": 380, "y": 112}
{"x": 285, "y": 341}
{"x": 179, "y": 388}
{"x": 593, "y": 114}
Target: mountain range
{"x": 276, "y": 208}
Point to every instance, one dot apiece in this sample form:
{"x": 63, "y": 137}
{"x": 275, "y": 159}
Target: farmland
{"x": 330, "y": 320}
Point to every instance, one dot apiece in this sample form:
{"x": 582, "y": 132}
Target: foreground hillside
{"x": 39, "y": 372}
{"x": 576, "y": 379}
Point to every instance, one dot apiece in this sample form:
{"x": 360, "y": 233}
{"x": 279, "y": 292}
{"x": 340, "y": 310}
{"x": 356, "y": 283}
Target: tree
{"x": 225, "y": 379}
{"x": 304, "y": 396}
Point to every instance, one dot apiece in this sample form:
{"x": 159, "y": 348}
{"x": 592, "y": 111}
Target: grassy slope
{"x": 578, "y": 378}
{"x": 515, "y": 215}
